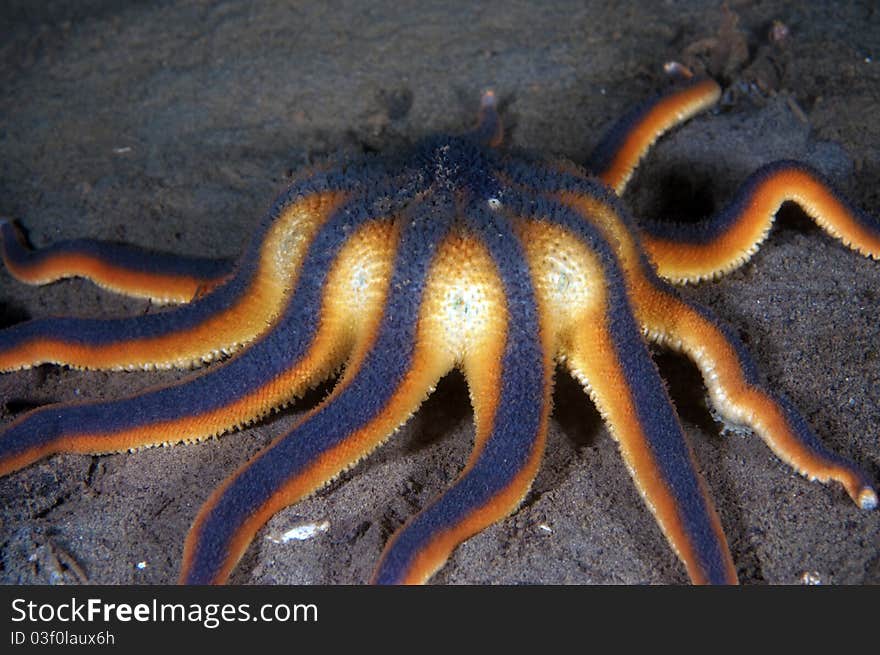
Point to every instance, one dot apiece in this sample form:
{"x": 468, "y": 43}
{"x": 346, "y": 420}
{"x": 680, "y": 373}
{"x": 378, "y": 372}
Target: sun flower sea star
{"x": 397, "y": 269}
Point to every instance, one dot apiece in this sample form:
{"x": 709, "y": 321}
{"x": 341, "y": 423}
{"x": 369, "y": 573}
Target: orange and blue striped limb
{"x": 393, "y": 369}
{"x": 725, "y": 241}
{"x": 616, "y": 156}
{"x": 728, "y": 371}
{"x": 608, "y": 355}
{"x": 729, "y": 238}
{"x": 278, "y": 367}
{"x": 727, "y": 368}
{"x": 510, "y": 380}
{"x": 121, "y": 268}
{"x": 215, "y": 324}
{"x": 737, "y": 393}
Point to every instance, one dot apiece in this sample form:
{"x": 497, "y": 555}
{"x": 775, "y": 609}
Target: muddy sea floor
{"x": 173, "y": 126}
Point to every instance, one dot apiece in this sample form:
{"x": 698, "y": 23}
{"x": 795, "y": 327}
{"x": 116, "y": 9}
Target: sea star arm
{"x": 490, "y": 128}
{"x": 607, "y": 354}
{"x": 657, "y": 455}
{"x": 394, "y": 368}
{"x": 727, "y": 369}
{"x": 726, "y": 366}
{"x": 629, "y": 139}
{"x": 218, "y": 400}
{"x": 736, "y": 392}
{"x": 299, "y": 352}
{"x": 220, "y": 322}
{"x": 508, "y": 368}
{"x": 159, "y": 277}
{"x": 690, "y": 253}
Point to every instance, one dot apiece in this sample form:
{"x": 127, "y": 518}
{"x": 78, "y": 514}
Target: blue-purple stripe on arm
{"x": 119, "y": 255}
{"x": 490, "y": 129}
{"x": 218, "y": 387}
{"x": 805, "y": 442}
{"x": 796, "y": 422}
{"x": 355, "y": 405}
{"x": 656, "y": 416}
{"x": 108, "y": 332}
{"x": 518, "y": 425}
{"x": 712, "y": 227}
{"x": 611, "y": 146}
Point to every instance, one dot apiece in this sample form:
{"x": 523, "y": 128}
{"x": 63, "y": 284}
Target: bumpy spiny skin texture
{"x": 403, "y": 267}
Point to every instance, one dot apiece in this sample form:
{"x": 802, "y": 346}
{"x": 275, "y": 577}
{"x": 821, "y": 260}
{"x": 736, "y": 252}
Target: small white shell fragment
{"x": 811, "y": 578}
{"x": 300, "y": 532}
{"x": 545, "y": 528}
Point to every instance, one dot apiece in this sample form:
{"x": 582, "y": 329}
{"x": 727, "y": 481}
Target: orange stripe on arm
{"x": 509, "y": 369}
{"x": 627, "y": 142}
{"x": 271, "y": 373}
{"x": 91, "y": 428}
{"x": 735, "y": 390}
{"x": 423, "y": 545}
{"x": 729, "y": 238}
{"x": 703, "y": 550}
{"x": 297, "y": 464}
{"x": 184, "y": 412}
{"x": 216, "y": 324}
{"x": 395, "y": 366}
{"x": 125, "y": 269}
{"x": 605, "y": 350}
